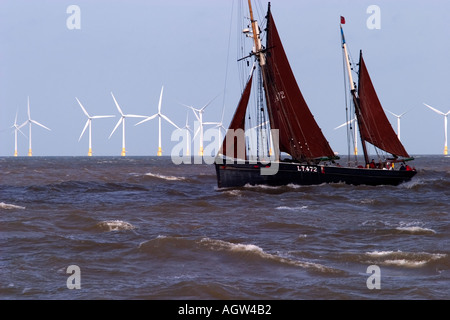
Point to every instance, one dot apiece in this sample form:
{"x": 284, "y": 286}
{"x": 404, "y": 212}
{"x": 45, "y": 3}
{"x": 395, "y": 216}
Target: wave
{"x": 253, "y": 250}
{"x": 404, "y": 259}
{"x": 115, "y": 225}
{"x": 165, "y": 246}
{"x": 168, "y": 178}
{"x": 291, "y": 208}
{"x": 7, "y": 206}
{"x": 416, "y": 230}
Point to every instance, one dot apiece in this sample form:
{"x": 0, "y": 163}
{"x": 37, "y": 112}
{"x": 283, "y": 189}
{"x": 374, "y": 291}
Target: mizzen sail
{"x": 374, "y": 126}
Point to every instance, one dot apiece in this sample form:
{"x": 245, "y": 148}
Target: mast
{"x": 354, "y": 94}
{"x": 256, "y": 37}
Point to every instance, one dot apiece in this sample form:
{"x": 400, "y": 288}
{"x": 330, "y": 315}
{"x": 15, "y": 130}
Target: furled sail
{"x": 374, "y": 126}
{"x": 299, "y": 134}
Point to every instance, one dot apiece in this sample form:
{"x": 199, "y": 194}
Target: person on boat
{"x": 408, "y": 168}
{"x": 402, "y": 167}
{"x": 372, "y": 164}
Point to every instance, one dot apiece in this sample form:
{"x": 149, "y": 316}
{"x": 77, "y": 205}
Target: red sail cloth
{"x": 238, "y": 122}
{"x": 374, "y": 126}
{"x": 299, "y": 134}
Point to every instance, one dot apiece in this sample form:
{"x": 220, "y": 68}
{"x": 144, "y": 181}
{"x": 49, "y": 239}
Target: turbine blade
{"x": 134, "y": 116}
{"x": 82, "y": 108}
{"x": 115, "y": 128}
{"x": 102, "y": 117}
{"x": 344, "y": 124}
{"x": 39, "y": 124}
{"x": 170, "y": 121}
{"x": 147, "y": 119}
{"x": 435, "y": 110}
{"x": 85, "y": 127}
{"x": 18, "y": 129}
{"x": 160, "y": 100}
{"x": 395, "y": 115}
{"x": 117, "y": 104}
{"x": 210, "y": 101}
{"x": 29, "y": 113}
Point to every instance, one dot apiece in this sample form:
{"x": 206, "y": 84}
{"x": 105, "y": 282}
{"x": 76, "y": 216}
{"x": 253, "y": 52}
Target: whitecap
{"x": 416, "y": 230}
{"x": 115, "y": 225}
{"x": 291, "y": 208}
{"x": 169, "y": 178}
{"x": 7, "y": 206}
{"x": 258, "y": 251}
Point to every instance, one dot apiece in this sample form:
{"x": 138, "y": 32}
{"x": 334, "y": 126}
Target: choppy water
{"x": 143, "y": 228}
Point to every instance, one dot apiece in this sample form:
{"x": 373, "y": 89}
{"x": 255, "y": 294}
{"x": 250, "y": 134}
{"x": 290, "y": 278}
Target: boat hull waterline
{"x": 240, "y": 175}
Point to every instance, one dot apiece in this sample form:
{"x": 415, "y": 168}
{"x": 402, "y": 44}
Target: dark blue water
{"x": 144, "y": 228}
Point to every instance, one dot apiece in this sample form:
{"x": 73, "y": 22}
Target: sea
{"x": 144, "y": 228}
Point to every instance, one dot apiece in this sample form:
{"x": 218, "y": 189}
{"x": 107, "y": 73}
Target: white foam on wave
{"x": 416, "y": 230}
{"x": 7, "y": 206}
{"x": 404, "y": 259}
{"x": 169, "y": 178}
{"x": 115, "y": 225}
{"x": 220, "y": 245}
{"x": 291, "y": 208}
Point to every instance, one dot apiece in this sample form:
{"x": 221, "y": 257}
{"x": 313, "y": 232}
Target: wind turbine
{"x": 89, "y": 124}
{"x": 30, "y": 122}
{"x": 187, "y": 127}
{"x": 199, "y": 115}
{"x": 398, "y": 116}
{"x": 160, "y": 116}
{"x": 445, "y": 125}
{"x": 122, "y": 121}
{"x": 17, "y": 129}
{"x": 355, "y": 129}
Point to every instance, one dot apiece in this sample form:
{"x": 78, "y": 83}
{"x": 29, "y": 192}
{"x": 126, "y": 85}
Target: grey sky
{"x": 132, "y": 48}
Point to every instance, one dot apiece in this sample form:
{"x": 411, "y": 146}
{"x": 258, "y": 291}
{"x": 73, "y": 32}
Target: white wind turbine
{"x": 445, "y": 125}
{"x": 398, "y": 116}
{"x": 30, "y": 122}
{"x": 199, "y": 115}
{"x": 122, "y": 121}
{"x": 17, "y": 129}
{"x": 187, "y": 127}
{"x": 160, "y": 116}
{"x": 355, "y": 129}
{"x": 89, "y": 124}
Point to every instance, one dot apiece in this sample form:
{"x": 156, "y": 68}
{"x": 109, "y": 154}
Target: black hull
{"x": 239, "y": 175}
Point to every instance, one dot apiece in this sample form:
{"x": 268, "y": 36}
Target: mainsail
{"x": 299, "y": 134}
{"x": 374, "y": 126}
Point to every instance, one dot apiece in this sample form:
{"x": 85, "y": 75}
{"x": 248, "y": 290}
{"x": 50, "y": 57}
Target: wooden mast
{"x": 256, "y": 37}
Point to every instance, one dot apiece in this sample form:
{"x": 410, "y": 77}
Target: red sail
{"x": 299, "y": 134}
{"x": 373, "y": 123}
{"x": 238, "y": 122}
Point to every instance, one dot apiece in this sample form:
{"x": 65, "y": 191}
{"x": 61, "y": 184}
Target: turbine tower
{"x": 445, "y": 125}
{"x": 17, "y": 129}
{"x": 122, "y": 121}
{"x": 199, "y": 115}
{"x": 398, "y": 116}
{"x": 89, "y": 124}
{"x": 30, "y": 122}
{"x": 160, "y": 116}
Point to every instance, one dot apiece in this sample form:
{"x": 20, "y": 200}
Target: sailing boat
{"x": 292, "y": 148}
